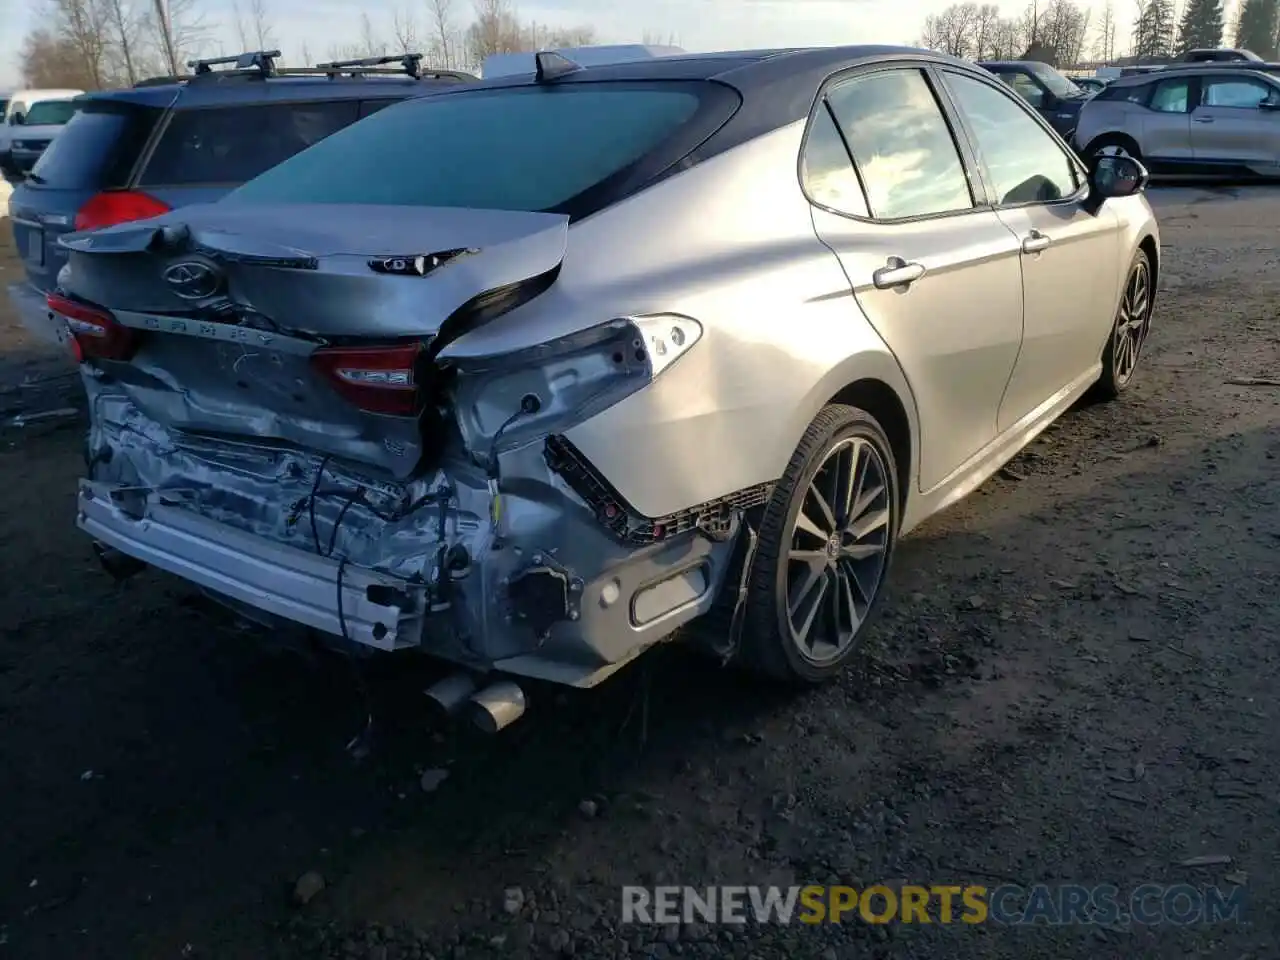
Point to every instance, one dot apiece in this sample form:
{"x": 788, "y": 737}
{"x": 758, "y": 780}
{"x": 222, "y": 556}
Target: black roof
{"x": 777, "y": 86}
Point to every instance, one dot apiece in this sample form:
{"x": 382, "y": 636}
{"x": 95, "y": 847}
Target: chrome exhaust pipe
{"x": 498, "y": 706}
{"x": 451, "y": 693}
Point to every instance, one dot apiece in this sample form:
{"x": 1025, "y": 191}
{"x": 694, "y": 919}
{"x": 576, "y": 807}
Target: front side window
{"x": 53, "y": 113}
{"x": 1025, "y": 164}
{"x": 902, "y": 145}
{"x": 827, "y": 169}
{"x": 233, "y": 144}
{"x": 530, "y": 148}
{"x": 1238, "y": 92}
{"x": 1171, "y": 96}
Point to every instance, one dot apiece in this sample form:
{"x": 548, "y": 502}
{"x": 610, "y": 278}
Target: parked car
{"x": 133, "y": 153}
{"x": 1056, "y": 98}
{"x": 1193, "y": 120}
{"x": 610, "y": 351}
{"x": 1219, "y": 55}
{"x": 1090, "y": 85}
{"x": 45, "y": 120}
{"x": 14, "y": 115}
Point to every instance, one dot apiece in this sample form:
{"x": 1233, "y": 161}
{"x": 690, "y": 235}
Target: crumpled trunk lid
{"x": 321, "y": 270}
{"x": 232, "y": 301}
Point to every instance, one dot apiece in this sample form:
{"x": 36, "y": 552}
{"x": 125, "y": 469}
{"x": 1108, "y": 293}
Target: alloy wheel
{"x": 1112, "y": 150}
{"x": 1132, "y": 322}
{"x": 838, "y": 551}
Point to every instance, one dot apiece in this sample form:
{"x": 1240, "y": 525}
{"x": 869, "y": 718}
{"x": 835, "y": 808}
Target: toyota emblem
{"x": 193, "y": 280}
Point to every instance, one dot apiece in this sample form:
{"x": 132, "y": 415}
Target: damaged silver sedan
{"x": 529, "y": 375}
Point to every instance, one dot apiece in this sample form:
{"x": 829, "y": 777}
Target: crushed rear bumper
{"x": 359, "y": 604}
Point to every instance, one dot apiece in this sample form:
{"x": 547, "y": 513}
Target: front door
{"x": 938, "y": 278}
{"x": 1037, "y": 188}
{"x": 1229, "y": 125}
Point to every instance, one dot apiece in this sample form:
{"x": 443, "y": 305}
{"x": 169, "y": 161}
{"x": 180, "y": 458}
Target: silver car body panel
{"x": 686, "y": 338}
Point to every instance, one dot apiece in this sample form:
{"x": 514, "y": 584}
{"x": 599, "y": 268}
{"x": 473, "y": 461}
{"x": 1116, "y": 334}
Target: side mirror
{"x": 1270, "y": 104}
{"x": 1113, "y": 177}
{"x": 17, "y": 120}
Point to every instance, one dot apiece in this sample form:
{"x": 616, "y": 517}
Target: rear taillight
{"x": 94, "y": 331}
{"x": 118, "y": 206}
{"x": 375, "y": 379}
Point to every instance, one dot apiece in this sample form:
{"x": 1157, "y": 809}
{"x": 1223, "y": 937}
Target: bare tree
{"x": 654, "y": 38}
{"x": 253, "y": 25}
{"x": 404, "y": 26}
{"x": 445, "y": 43}
{"x": 85, "y": 26}
{"x": 189, "y": 31}
{"x": 1104, "y": 47}
{"x": 48, "y": 59}
{"x": 124, "y": 24}
{"x": 307, "y": 60}
{"x": 368, "y": 45}
{"x": 496, "y": 29}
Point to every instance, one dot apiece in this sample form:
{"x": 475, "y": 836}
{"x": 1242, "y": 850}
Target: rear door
{"x": 95, "y": 152}
{"x": 932, "y": 267}
{"x": 206, "y": 150}
{"x": 1229, "y": 125}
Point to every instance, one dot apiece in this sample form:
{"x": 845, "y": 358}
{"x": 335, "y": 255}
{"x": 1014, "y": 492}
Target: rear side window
{"x": 901, "y": 144}
{"x": 827, "y": 170}
{"x": 98, "y": 148}
{"x": 531, "y": 148}
{"x": 233, "y": 144}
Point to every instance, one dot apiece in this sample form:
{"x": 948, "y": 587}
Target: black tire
{"x": 1112, "y": 140}
{"x": 768, "y": 645}
{"x": 1119, "y": 366}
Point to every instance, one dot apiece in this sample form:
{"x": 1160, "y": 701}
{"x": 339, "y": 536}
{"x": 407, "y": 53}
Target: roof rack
{"x": 410, "y": 64}
{"x": 259, "y": 62}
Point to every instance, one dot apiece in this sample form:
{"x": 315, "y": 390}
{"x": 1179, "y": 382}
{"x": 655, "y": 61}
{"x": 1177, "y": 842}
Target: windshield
{"x": 530, "y": 148}
{"x": 1056, "y": 83}
{"x": 52, "y": 113}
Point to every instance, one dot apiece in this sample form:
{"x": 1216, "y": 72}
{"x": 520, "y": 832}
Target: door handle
{"x": 897, "y": 273}
{"x": 1034, "y": 242}
{"x": 1203, "y": 119}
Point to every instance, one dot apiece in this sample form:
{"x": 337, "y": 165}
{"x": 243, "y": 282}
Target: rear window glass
{"x": 50, "y": 113}
{"x": 98, "y": 148}
{"x": 235, "y": 144}
{"x": 518, "y": 148}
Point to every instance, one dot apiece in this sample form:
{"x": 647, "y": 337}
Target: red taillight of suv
{"x": 118, "y": 206}
{"x": 375, "y": 379}
{"x": 94, "y": 331}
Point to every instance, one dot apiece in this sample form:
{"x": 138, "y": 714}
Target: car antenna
{"x": 553, "y": 66}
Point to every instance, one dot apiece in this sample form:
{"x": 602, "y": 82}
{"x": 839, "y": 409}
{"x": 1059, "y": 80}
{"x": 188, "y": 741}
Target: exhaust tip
{"x": 498, "y": 706}
{"x": 451, "y": 693}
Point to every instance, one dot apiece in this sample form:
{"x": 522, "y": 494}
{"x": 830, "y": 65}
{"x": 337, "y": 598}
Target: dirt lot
{"x": 1075, "y": 681}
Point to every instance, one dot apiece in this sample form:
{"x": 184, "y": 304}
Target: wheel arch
{"x": 1113, "y": 135}
{"x": 874, "y": 382}
{"x": 1151, "y": 248}
{"x": 881, "y": 401}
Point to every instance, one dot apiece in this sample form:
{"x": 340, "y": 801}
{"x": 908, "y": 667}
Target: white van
{"x": 15, "y": 115}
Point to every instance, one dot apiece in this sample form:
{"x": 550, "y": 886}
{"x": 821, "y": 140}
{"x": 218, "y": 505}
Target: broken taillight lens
{"x": 94, "y": 331}
{"x": 375, "y": 379}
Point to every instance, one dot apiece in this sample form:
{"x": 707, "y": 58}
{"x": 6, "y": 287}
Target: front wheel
{"x": 1128, "y": 332}
{"x": 826, "y": 539}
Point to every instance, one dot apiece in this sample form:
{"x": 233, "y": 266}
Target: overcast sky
{"x": 698, "y": 24}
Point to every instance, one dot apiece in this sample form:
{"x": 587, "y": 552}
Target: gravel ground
{"x": 1073, "y": 682}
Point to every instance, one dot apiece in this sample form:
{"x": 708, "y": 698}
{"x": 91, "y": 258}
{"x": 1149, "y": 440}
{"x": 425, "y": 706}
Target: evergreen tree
{"x": 1201, "y": 25}
{"x": 1154, "y": 30}
{"x": 1259, "y": 23}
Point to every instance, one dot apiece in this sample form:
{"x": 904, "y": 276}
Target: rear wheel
{"x": 1128, "y": 332}
{"x": 826, "y": 540}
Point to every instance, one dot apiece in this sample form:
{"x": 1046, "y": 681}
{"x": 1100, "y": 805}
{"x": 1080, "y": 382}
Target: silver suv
{"x": 1196, "y": 120}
